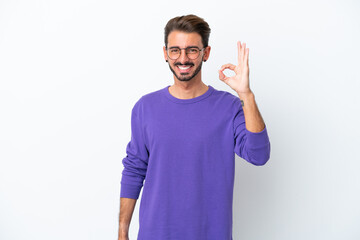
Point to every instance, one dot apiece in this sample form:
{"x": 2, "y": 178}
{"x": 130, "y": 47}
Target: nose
{"x": 183, "y": 57}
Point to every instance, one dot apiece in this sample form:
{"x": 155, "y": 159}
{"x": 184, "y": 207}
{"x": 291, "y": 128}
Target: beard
{"x": 185, "y": 78}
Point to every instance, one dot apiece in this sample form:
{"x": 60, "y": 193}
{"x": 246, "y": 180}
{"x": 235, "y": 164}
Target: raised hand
{"x": 239, "y": 82}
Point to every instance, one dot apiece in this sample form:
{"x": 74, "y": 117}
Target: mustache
{"x": 186, "y": 64}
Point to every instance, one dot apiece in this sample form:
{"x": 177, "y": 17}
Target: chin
{"x": 184, "y": 80}
{"x": 187, "y": 77}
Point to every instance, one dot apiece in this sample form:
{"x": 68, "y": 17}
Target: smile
{"x": 184, "y": 69}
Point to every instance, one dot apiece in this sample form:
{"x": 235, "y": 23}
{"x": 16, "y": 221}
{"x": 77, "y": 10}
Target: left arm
{"x": 253, "y": 145}
{"x": 240, "y": 83}
{"x": 253, "y": 119}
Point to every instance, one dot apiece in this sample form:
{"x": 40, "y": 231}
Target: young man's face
{"x": 191, "y": 67}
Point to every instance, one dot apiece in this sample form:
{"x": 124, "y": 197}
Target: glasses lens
{"x": 174, "y": 53}
{"x": 192, "y": 53}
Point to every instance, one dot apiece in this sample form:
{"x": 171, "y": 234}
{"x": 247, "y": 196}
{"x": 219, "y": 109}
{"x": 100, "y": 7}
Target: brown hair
{"x": 188, "y": 23}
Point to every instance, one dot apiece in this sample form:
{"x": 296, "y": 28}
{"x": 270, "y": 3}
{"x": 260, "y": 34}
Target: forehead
{"x": 184, "y": 39}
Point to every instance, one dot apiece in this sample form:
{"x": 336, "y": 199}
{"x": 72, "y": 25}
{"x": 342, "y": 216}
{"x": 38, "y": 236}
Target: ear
{"x": 207, "y": 53}
{"x": 165, "y": 54}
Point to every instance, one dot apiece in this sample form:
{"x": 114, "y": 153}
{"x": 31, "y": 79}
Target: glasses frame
{"x": 167, "y": 53}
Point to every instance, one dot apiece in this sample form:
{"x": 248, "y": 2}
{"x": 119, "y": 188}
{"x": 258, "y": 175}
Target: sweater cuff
{"x": 257, "y": 139}
{"x": 130, "y": 191}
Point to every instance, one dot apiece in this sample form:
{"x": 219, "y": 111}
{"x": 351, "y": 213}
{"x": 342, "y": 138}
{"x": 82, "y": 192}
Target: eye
{"x": 193, "y": 50}
{"x": 174, "y": 50}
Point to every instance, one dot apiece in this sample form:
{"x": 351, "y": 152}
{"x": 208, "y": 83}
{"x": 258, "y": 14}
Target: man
{"x": 183, "y": 142}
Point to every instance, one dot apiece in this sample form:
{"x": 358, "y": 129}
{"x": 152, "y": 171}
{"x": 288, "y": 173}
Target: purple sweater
{"x": 185, "y": 149}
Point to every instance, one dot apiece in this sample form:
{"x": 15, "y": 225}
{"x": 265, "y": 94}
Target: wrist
{"x": 123, "y": 236}
{"x": 123, "y": 232}
{"x": 245, "y": 95}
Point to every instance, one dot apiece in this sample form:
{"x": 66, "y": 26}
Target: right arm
{"x": 127, "y": 206}
{"x": 134, "y": 172}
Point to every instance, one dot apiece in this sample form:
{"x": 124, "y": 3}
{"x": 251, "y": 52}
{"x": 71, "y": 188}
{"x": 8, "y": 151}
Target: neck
{"x": 187, "y": 90}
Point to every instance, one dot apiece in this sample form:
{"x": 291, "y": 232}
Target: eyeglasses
{"x": 191, "y": 52}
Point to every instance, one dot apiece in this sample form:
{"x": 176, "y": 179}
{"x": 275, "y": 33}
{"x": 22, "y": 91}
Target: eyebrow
{"x": 179, "y": 47}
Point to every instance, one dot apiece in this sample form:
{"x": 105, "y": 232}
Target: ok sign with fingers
{"x": 239, "y": 82}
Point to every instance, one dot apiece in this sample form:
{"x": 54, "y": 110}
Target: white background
{"x": 71, "y": 72}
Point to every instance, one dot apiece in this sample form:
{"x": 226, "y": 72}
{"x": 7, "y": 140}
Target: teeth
{"x": 183, "y": 68}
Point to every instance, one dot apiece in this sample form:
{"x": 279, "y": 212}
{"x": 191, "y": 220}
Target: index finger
{"x": 228, "y": 66}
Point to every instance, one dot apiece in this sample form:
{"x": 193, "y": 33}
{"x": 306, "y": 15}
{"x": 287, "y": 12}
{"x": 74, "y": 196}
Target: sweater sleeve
{"x": 254, "y": 147}
{"x": 136, "y": 161}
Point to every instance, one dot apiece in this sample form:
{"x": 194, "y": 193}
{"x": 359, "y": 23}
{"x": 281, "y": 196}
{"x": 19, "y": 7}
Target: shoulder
{"x": 227, "y": 98}
{"x": 152, "y": 96}
{"x": 145, "y": 100}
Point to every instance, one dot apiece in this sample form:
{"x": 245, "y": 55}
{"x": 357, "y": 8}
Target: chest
{"x": 187, "y": 128}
